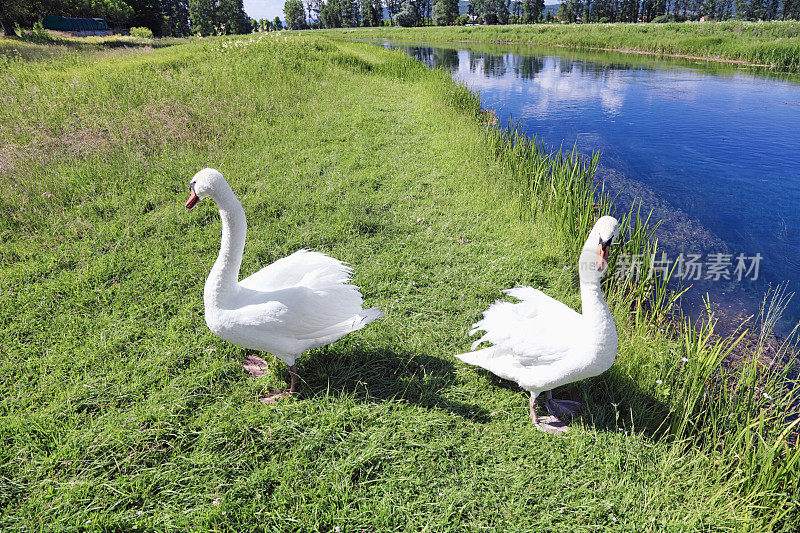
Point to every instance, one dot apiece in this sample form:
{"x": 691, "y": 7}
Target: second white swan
{"x": 541, "y": 343}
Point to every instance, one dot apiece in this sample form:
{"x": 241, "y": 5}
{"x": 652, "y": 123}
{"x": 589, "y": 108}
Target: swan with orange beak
{"x": 297, "y": 303}
{"x": 541, "y": 343}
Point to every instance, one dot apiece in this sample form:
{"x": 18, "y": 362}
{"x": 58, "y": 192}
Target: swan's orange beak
{"x": 602, "y": 256}
{"x": 192, "y": 201}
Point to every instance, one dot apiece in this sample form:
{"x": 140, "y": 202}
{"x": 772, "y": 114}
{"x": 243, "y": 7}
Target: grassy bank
{"x": 772, "y": 44}
{"x": 120, "y": 410}
{"x": 51, "y": 45}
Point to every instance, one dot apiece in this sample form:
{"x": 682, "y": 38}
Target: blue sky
{"x": 264, "y": 9}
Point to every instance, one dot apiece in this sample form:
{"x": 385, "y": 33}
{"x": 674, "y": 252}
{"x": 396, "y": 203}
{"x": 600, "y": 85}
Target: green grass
{"x": 772, "y": 44}
{"x": 120, "y": 410}
{"x": 61, "y": 47}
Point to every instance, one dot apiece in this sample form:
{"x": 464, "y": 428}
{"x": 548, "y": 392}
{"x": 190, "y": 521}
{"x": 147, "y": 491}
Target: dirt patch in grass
{"x": 151, "y": 125}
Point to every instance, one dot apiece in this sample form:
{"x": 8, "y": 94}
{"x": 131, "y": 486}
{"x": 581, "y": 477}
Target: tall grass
{"x": 728, "y": 399}
{"x": 774, "y": 44}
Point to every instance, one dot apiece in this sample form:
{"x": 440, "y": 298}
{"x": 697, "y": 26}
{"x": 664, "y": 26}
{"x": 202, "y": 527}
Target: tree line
{"x": 166, "y": 18}
{"x": 301, "y": 14}
{"x": 676, "y": 10}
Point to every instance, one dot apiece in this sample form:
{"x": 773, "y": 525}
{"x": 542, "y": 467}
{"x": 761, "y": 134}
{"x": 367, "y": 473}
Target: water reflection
{"x": 712, "y": 151}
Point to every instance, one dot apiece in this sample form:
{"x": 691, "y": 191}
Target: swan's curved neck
{"x": 224, "y": 277}
{"x": 594, "y": 306}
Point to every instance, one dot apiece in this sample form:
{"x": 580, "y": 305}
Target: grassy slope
{"x": 59, "y": 46}
{"x": 774, "y": 44}
{"x": 120, "y": 409}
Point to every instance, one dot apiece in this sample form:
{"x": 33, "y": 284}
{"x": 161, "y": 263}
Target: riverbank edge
{"x": 722, "y": 42}
{"x": 733, "y": 369}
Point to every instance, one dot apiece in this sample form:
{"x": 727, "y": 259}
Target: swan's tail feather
{"x": 366, "y": 316}
{"x": 337, "y": 331}
{"x": 478, "y": 357}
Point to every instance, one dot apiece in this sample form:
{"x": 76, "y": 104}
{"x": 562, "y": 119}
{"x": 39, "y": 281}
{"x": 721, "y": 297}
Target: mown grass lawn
{"x": 121, "y": 411}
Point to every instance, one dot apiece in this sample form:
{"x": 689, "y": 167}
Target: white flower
{"x": 659, "y": 382}
{"x": 685, "y": 359}
{"x": 767, "y": 396}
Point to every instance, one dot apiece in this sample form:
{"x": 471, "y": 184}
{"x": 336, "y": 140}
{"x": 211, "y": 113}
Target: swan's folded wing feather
{"x": 533, "y": 302}
{"x": 261, "y": 314}
{"x": 304, "y": 267}
{"x": 537, "y": 330}
{"x": 303, "y": 311}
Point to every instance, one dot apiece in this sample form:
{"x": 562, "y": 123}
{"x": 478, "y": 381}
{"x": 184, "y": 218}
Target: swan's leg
{"x": 560, "y": 408}
{"x": 548, "y": 424}
{"x": 286, "y": 393}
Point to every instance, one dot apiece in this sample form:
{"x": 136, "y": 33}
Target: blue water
{"x": 715, "y": 152}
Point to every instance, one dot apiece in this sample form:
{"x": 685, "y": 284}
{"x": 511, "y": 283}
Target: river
{"x": 713, "y": 150}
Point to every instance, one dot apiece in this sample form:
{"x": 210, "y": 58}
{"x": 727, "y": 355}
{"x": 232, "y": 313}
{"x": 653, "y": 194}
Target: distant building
{"x": 77, "y": 27}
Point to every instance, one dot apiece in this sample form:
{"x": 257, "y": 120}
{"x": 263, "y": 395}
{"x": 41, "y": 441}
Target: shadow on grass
{"x": 611, "y": 402}
{"x": 377, "y": 375}
{"x": 614, "y": 402}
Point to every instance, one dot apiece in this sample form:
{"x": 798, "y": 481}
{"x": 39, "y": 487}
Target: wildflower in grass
{"x": 659, "y": 382}
{"x": 685, "y": 359}
{"x": 766, "y": 396}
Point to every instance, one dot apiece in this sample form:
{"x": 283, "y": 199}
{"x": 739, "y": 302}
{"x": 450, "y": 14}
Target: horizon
{"x": 269, "y": 9}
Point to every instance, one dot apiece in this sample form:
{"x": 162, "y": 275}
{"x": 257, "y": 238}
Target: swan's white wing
{"x": 293, "y": 320}
{"x": 302, "y": 268}
{"x": 537, "y": 330}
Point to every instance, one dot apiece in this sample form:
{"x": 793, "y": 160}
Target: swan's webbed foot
{"x": 274, "y": 397}
{"x": 552, "y": 425}
{"x": 561, "y": 408}
{"x": 548, "y": 424}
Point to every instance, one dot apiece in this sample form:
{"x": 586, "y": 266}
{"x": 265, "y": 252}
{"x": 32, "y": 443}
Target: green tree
{"x": 202, "y": 16}
{"x": 332, "y": 14}
{"x": 295, "y": 14}
{"x": 231, "y": 18}
{"x": 277, "y": 24}
{"x": 445, "y": 12}
{"x": 531, "y": 11}
{"x": 371, "y": 12}
{"x": 175, "y": 18}
{"x": 408, "y": 15}
{"x": 791, "y": 9}
{"x": 605, "y": 11}
{"x": 566, "y": 12}
{"x": 26, "y": 12}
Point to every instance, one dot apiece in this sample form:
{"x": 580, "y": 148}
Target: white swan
{"x": 541, "y": 343}
{"x": 297, "y": 303}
